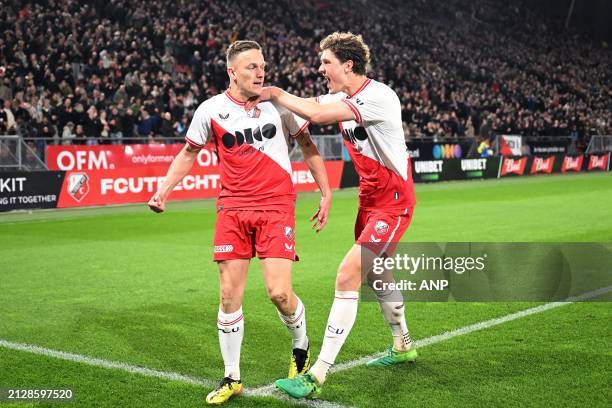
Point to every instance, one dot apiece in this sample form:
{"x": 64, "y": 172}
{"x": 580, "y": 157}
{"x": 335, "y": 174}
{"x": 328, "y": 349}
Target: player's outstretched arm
{"x": 179, "y": 168}
{"x": 306, "y": 108}
{"x": 315, "y": 163}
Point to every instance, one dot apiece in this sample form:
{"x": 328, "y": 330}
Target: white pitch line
{"x": 148, "y": 372}
{"x": 267, "y": 389}
{"x": 97, "y": 362}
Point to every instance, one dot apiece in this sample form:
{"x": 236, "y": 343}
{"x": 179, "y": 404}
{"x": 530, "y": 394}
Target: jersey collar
{"x": 361, "y": 88}
{"x": 231, "y": 98}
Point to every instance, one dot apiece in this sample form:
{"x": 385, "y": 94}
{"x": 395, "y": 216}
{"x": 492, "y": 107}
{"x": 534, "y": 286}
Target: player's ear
{"x": 348, "y": 67}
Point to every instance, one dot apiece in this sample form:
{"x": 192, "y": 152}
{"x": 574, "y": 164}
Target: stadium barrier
{"x": 91, "y": 187}
{"x": 455, "y": 148}
{"x": 21, "y": 190}
{"x": 115, "y": 177}
{"x": 493, "y": 167}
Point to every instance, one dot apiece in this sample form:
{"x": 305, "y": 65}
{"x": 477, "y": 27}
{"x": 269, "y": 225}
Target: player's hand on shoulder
{"x": 268, "y": 93}
{"x": 157, "y": 204}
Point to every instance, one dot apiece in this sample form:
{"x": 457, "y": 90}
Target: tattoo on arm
{"x": 304, "y": 140}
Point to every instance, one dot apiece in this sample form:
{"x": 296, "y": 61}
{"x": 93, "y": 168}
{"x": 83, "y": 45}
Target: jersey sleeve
{"x": 294, "y": 124}
{"x": 330, "y": 98}
{"x": 199, "y": 131}
{"x": 373, "y": 107}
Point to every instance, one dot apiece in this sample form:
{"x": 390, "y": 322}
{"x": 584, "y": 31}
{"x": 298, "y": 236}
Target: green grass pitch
{"x": 127, "y": 285}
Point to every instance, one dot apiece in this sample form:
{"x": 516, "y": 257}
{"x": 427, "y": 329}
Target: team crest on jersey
{"x": 289, "y": 234}
{"x": 381, "y": 227}
{"x": 254, "y": 113}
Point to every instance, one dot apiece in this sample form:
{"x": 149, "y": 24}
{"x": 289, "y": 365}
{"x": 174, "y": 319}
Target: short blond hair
{"x": 238, "y": 47}
{"x": 348, "y": 46}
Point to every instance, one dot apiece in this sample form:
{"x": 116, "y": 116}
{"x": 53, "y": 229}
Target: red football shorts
{"x": 381, "y": 230}
{"x": 242, "y": 234}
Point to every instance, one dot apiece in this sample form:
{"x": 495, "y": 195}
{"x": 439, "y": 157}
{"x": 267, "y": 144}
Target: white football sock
{"x": 296, "y": 324}
{"x": 339, "y": 324}
{"x": 392, "y": 307}
{"x": 231, "y": 331}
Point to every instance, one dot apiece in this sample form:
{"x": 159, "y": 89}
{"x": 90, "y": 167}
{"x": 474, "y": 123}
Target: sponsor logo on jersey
{"x": 78, "y": 185}
{"x": 223, "y": 117}
{"x": 374, "y": 239}
{"x": 288, "y": 247}
{"x": 223, "y": 249}
{"x": 249, "y": 136}
{"x": 352, "y": 135}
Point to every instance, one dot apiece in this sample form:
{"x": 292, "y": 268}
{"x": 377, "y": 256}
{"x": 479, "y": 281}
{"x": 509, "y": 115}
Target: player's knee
{"x": 348, "y": 278}
{"x": 230, "y": 300}
{"x": 279, "y": 297}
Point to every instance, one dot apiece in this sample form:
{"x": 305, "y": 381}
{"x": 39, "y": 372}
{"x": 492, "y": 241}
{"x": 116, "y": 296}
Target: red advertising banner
{"x": 513, "y": 166}
{"x": 108, "y": 157}
{"x": 599, "y": 162}
{"x": 138, "y": 184}
{"x": 572, "y": 164}
{"x": 542, "y": 165}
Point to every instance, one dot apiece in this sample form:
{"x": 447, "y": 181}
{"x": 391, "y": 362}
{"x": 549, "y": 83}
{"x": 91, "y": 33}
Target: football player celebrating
{"x": 256, "y": 205}
{"x": 369, "y": 115}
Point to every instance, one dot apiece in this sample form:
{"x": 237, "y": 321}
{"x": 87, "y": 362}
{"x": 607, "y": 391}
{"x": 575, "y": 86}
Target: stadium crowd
{"x": 108, "y": 71}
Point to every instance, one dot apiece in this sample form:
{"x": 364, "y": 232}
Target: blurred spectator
{"x": 7, "y": 119}
{"x": 114, "y": 125}
{"x": 68, "y": 134}
{"x": 166, "y": 129}
{"x": 496, "y": 67}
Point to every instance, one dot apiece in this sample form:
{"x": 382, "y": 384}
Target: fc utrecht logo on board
{"x": 78, "y": 185}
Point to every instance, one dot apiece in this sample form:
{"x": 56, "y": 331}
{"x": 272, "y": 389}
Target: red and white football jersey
{"x": 252, "y": 149}
{"x": 376, "y": 144}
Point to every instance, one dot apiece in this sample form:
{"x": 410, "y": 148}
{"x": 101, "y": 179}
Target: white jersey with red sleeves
{"x": 376, "y": 144}
{"x": 252, "y": 149}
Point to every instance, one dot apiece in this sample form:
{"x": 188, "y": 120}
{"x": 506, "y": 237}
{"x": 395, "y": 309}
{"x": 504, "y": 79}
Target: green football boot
{"x": 392, "y": 357}
{"x": 302, "y": 386}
